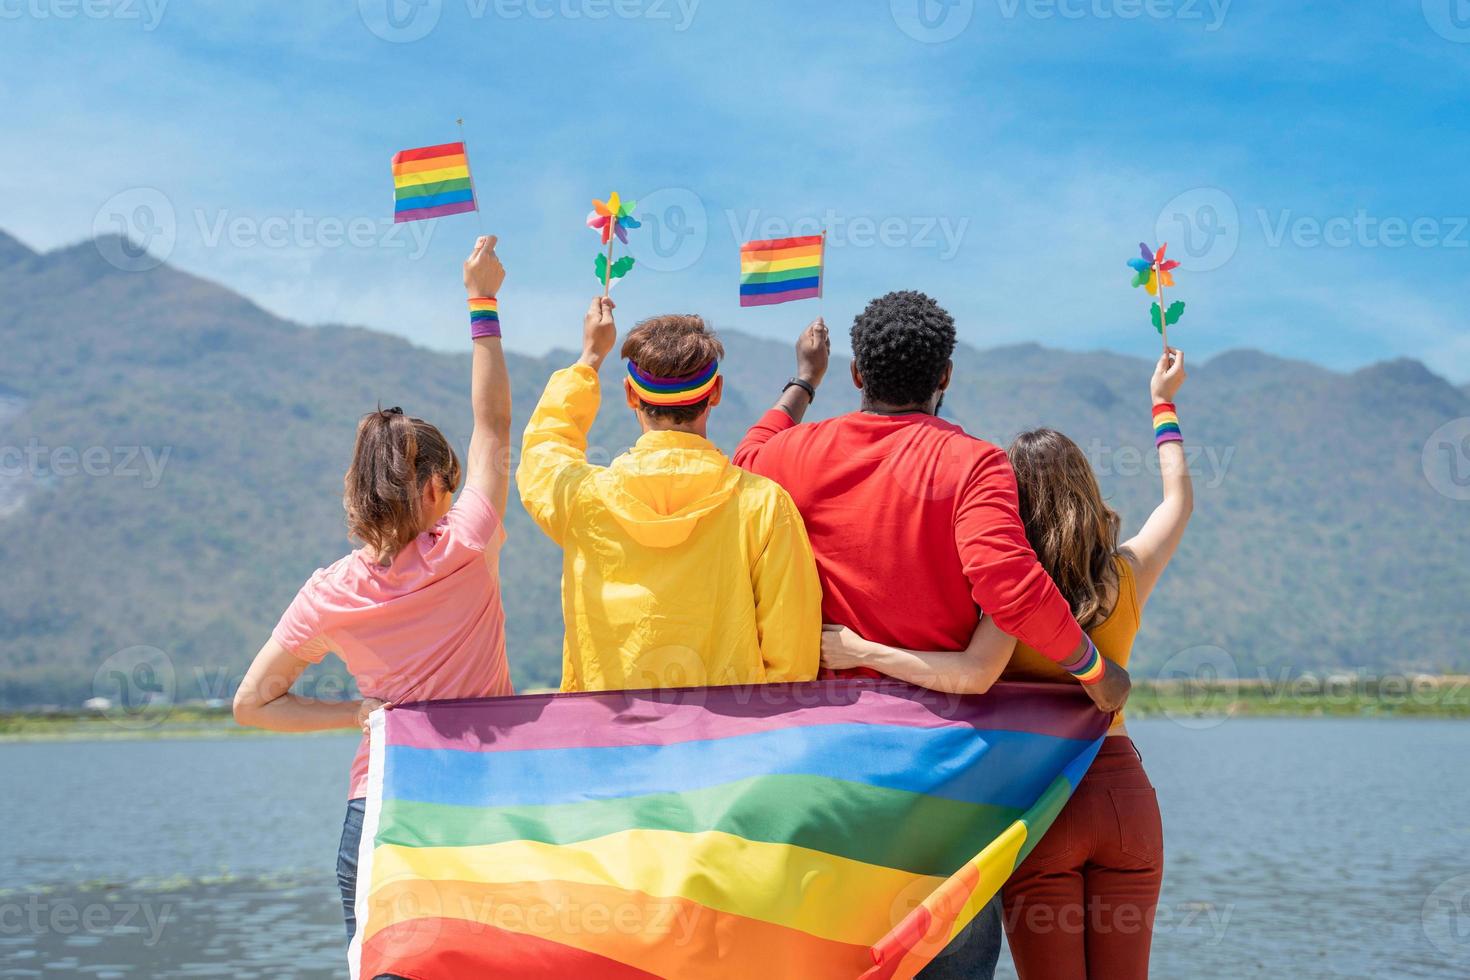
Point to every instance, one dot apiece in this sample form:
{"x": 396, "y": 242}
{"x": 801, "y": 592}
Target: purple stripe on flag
{"x": 770, "y": 299}
{"x": 418, "y": 214}
{"x": 665, "y": 717}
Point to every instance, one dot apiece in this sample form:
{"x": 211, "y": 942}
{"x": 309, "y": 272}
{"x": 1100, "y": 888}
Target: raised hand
{"x": 483, "y": 273}
{"x": 813, "y": 352}
{"x": 1168, "y": 376}
{"x": 599, "y": 332}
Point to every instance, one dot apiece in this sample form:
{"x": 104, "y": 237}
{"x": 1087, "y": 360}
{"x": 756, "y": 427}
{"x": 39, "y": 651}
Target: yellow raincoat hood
{"x": 659, "y": 491}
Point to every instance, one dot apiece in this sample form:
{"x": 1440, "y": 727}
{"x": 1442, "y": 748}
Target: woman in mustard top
{"x": 1082, "y": 903}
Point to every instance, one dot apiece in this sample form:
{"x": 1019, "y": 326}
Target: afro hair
{"x": 901, "y": 344}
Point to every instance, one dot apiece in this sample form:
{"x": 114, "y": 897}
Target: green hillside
{"x": 183, "y": 451}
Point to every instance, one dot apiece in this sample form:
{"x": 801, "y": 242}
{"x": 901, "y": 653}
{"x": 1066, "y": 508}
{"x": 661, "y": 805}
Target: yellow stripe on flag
{"x": 777, "y": 265}
{"x": 822, "y": 894}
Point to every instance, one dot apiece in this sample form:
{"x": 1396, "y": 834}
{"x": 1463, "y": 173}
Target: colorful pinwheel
{"x": 1153, "y": 273}
{"x": 612, "y": 218}
{"x": 1152, "y": 269}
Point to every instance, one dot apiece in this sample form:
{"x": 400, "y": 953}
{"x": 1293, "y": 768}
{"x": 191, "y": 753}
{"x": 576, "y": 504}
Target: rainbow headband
{"x": 674, "y": 392}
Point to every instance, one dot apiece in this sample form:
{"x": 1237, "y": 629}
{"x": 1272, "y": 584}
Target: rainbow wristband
{"x": 1089, "y": 667}
{"x": 1166, "y": 425}
{"x": 484, "y": 317}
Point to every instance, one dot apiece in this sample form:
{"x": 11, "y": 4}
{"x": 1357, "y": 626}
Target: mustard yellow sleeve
{"x": 788, "y": 598}
{"x": 554, "y": 447}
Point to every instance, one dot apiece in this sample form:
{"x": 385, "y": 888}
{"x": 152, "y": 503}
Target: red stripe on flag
{"x": 771, "y": 243}
{"x": 428, "y": 152}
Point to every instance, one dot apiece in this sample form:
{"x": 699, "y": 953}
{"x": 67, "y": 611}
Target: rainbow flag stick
{"x": 470, "y": 169}
{"x": 825, "y": 831}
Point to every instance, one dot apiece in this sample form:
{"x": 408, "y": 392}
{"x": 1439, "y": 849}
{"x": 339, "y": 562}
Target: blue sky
{"x": 1306, "y": 161}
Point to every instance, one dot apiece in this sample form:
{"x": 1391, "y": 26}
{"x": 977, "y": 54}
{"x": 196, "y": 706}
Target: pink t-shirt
{"x": 426, "y": 628}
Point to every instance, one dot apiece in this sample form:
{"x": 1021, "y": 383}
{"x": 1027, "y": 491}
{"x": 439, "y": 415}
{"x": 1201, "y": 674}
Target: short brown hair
{"x": 675, "y": 345}
{"x": 396, "y": 455}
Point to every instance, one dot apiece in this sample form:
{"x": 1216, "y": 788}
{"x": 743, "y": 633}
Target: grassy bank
{"x": 1388, "y": 697}
{"x": 1306, "y": 697}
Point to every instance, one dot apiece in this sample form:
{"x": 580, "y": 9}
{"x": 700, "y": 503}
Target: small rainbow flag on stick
{"x": 432, "y": 181}
{"x": 824, "y": 831}
{"x": 779, "y": 270}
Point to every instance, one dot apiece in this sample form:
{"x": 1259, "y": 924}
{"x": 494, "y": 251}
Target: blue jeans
{"x": 347, "y": 862}
{"x": 974, "y": 952}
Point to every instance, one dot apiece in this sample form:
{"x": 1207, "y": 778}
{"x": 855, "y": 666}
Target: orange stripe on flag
{"x": 663, "y": 935}
{"x": 432, "y": 163}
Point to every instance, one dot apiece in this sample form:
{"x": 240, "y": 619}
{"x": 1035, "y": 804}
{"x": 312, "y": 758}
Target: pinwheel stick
{"x": 607, "y": 274}
{"x": 1163, "y": 314}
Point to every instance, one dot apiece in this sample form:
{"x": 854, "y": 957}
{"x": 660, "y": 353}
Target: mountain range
{"x": 171, "y": 460}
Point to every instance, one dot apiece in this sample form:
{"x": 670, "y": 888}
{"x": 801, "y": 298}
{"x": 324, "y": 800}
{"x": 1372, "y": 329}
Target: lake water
{"x": 1303, "y": 848}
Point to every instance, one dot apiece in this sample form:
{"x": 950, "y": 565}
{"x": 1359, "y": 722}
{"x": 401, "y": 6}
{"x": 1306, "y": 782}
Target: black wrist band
{"x": 811, "y": 392}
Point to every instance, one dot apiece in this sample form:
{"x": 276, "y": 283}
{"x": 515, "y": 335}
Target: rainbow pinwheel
{"x": 612, "y": 218}
{"x": 1153, "y": 272}
{"x": 1152, "y": 269}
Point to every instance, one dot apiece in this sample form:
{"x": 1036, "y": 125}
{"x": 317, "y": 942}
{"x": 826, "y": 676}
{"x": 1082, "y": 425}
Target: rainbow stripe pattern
{"x": 1166, "y": 424}
{"x": 674, "y": 392}
{"x": 831, "y": 829}
{"x": 432, "y": 181}
{"x": 1090, "y": 666}
{"x": 779, "y": 270}
{"x": 484, "y": 317}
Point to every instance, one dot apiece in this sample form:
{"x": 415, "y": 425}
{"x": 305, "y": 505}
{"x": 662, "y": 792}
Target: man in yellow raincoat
{"x": 679, "y": 568}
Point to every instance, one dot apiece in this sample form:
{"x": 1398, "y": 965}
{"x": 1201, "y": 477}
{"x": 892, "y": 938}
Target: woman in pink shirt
{"x": 415, "y": 613}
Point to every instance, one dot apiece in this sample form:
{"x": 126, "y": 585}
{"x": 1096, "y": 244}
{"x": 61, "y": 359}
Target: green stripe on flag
{"x": 908, "y": 831}
{"x": 785, "y": 275}
{"x": 429, "y": 190}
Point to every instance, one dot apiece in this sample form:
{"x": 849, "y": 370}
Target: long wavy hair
{"x": 1073, "y": 531}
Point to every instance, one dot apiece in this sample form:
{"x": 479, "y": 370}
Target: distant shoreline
{"x": 1425, "y": 696}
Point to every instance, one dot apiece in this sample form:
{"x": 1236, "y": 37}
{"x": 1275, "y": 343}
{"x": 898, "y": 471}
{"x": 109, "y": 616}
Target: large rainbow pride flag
{"x": 432, "y": 181}
{"x": 833, "y": 829}
{"x": 779, "y": 270}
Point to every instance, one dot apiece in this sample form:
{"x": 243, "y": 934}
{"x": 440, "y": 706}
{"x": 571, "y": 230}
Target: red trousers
{"x": 1081, "y": 906}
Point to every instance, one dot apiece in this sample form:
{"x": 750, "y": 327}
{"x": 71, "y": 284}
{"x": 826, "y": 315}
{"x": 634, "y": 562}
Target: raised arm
{"x": 813, "y": 351}
{"x": 488, "y": 467}
{"x": 1150, "y": 550}
{"x": 968, "y": 671}
{"x": 554, "y": 447}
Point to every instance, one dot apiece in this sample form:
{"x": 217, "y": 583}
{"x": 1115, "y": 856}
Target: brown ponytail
{"x": 395, "y": 457}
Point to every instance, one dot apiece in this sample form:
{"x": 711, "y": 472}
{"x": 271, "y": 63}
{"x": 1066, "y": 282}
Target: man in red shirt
{"x": 915, "y": 524}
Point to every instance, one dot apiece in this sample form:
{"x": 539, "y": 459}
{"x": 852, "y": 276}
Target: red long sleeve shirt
{"x": 916, "y": 529}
